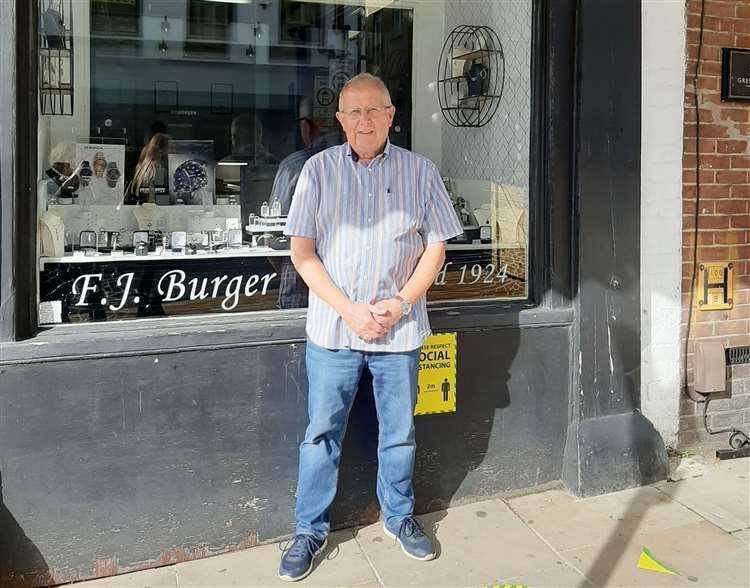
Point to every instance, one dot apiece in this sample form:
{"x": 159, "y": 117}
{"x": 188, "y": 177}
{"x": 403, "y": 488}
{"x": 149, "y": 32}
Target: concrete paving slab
{"x": 719, "y": 493}
{"x": 561, "y": 576}
{"x": 154, "y": 578}
{"x": 478, "y": 545}
{"x": 568, "y": 522}
{"x": 703, "y": 554}
{"x": 743, "y": 535}
{"x": 343, "y": 565}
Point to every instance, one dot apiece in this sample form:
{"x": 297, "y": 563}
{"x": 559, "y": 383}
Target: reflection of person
{"x": 292, "y": 289}
{"x": 368, "y": 225}
{"x": 151, "y": 171}
{"x": 446, "y": 389}
{"x": 248, "y": 163}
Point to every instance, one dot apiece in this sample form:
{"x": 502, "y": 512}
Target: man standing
{"x": 368, "y": 225}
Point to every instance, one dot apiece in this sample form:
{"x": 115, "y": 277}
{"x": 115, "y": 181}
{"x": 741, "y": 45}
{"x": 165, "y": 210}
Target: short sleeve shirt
{"x": 371, "y": 225}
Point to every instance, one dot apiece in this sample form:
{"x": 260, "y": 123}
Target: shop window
{"x": 166, "y": 174}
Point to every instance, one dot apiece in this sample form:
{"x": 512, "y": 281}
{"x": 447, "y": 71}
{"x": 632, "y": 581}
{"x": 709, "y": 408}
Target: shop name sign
{"x": 174, "y": 286}
{"x": 735, "y": 78}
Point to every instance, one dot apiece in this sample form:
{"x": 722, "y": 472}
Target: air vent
{"x": 737, "y": 355}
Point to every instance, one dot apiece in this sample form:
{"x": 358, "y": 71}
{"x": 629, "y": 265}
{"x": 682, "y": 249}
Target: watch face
{"x": 113, "y": 174}
{"x": 85, "y": 172}
{"x": 100, "y": 164}
{"x": 190, "y": 176}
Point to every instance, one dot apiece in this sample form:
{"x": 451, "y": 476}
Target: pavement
{"x": 697, "y": 524}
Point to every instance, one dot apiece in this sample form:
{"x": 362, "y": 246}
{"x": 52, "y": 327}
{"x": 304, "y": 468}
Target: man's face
{"x": 366, "y": 116}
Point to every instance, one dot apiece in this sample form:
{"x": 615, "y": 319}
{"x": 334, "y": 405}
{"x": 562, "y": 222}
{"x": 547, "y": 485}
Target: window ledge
{"x": 177, "y": 335}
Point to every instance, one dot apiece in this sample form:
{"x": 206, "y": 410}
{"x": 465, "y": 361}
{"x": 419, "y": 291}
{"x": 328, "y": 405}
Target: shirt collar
{"x": 355, "y": 158}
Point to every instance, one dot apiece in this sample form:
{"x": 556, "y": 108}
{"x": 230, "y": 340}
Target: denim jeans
{"x": 333, "y": 376}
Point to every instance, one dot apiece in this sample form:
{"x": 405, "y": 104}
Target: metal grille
{"x": 738, "y": 355}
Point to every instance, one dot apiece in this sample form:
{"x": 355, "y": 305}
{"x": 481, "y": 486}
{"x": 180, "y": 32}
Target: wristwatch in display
{"x": 190, "y": 176}
{"x": 405, "y": 305}
{"x": 100, "y": 164}
{"x": 85, "y": 173}
{"x": 113, "y": 174}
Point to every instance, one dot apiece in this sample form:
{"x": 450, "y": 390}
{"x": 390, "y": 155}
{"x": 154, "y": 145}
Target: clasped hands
{"x": 372, "y": 321}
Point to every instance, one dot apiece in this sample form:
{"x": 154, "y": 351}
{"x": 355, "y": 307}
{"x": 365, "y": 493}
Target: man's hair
{"x": 362, "y": 79}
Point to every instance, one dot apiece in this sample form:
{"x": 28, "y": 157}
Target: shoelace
{"x": 411, "y": 527}
{"x": 300, "y": 545}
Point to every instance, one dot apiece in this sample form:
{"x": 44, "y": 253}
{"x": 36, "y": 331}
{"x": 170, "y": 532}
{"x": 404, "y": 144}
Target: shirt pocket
{"x": 404, "y": 219}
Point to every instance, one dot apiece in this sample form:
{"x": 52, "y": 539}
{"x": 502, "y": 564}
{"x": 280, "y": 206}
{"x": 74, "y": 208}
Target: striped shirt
{"x": 371, "y": 225}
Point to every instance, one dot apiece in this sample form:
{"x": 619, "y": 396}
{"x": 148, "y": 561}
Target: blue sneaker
{"x": 412, "y": 538}
{"x": 297, "y": 561}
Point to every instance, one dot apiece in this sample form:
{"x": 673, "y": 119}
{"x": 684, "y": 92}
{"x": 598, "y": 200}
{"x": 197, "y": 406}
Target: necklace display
{"x": 149, "y": 216}
{"x": 52, "y": 232}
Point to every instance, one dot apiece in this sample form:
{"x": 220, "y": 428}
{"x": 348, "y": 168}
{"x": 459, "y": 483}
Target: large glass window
{"x": 172, "y": 134}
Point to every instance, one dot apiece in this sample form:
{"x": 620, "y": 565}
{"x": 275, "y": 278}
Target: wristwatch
{"x": 405, "y": 305}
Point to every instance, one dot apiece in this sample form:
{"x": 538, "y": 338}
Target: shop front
{"x": 152, "y": 383}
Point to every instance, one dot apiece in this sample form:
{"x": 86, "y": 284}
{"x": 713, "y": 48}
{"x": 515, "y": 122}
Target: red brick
{"x": 712, "y": 191}
{"x": 743, "y": 12}
{"x": 714, "y": 253}
{"x": 742, "y": 41}
{"x": 712, "y": 130}
{"x": 736, "y": 340}
{"x": 740, "y": 221}
{"x": 709, "y": 83}
{"x": 740, "y": 191}
{"x": 731, "y": 328}
{"x": 729, "y": 237}
{"x": 740, "y": 311}
{"x": 701, "y": 330}
{"x": 721, "y": 39}
{"x": 709, "y": 68}
{"x": 730, "y": 145}
{"x": 734, "y": 206}
{"x": 735, "y": 114}
{"x": 698, "y": 330}
{"x": 740, "y": 162}
{"x": 708, "y": 53}
{"x": 706, "y": 176}
{"x": 706, "y": 115}
{"x": 704, "y": 238}
{"x": 741, "y": 296}
{"x": 741, "y": 26}
{"x": 705, "y": 146}
{"x": 711, "y": 316}
{"x": 710, "y": 23}
{"x": 713, "y": 221}
{"x": 713, "y": 8}
{"x": 713, "y": 161}
{"x": 711, "y": 97}
{"x": 731, "y": 177}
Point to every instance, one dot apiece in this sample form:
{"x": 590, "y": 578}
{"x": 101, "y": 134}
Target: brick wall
{"x": 723, "y": 221}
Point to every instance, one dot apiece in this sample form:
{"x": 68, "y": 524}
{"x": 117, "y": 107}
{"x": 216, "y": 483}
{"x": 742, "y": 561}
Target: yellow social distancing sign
{"x": 436, "y": 384}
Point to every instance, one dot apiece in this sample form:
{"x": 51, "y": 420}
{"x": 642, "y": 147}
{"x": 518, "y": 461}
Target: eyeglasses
{"x": 370, "y": 113}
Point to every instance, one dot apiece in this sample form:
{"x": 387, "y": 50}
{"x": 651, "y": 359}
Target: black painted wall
{"x": 155, "y": 458}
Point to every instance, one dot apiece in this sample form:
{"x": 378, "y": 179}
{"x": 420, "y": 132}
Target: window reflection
{"x": 192, "y": 120}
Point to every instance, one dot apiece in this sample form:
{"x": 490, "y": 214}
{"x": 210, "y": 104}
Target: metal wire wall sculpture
{"x": 471, "y": 76}
{"x": 56, "y": 57}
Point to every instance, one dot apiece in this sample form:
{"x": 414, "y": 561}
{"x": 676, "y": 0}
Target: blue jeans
{"x": 333, "y": 376}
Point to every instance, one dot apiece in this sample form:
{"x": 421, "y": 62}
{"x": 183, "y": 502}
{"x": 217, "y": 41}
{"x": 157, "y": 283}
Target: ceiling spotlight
{"x": 165, "y": 26}
{"x": 163, "y": 47}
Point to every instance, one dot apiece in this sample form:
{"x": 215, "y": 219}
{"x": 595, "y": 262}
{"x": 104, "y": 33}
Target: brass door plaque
{"x": 715, "y": 289}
